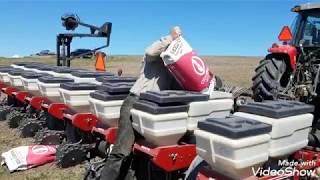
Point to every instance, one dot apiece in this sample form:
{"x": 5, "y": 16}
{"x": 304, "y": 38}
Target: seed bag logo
{"x": 198, "y": 66}
{"x": 39, "y": 149}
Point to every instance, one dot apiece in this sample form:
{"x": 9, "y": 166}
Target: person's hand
{"x": 175, "y": 32}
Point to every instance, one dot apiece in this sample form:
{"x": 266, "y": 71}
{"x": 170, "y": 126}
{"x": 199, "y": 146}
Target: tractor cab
{"x": 306, "y": 27}
{"x": 301, "y": 42}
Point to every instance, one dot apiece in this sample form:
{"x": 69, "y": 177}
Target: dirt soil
{"x": 236, "y": 70}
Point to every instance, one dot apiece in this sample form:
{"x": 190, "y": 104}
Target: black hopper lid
{"x": 32, "y": 75}
{"x": 54, "y": 80}
{"x": 90, "y": 74}
{"x": 277, "y": 109}
{"x": 115, "y": 79}
{"x": 155, "y": 108}
{"x": 234, "y": 127}
{"x": 119, "y": 87}
{"x": 78, "y": 86}
{"x": 105, "y": 96}
{"x": 169, "y": 96}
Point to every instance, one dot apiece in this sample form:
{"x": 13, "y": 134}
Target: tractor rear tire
{"x": 269, "y": 79}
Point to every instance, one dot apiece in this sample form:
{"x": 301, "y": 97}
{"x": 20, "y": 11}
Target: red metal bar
{"x": 110, "y": 134}
{"x": 21, "y": 95}
{"x": 2, "y": 85}
{"x": 98, "y": 130}
{"x": 28, "y": 99}
{"x": 310, "y": 158}
{"x": 37, "y": 101}
{"x": 9, "y": 90}
{"x": 67, "y": 116}
{"x": 169, "y": 158}
{"x": 57, "y": 110}
{"x": 45, "y": 105}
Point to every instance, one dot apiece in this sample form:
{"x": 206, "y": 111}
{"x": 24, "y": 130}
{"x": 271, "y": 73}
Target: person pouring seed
{"x": 154, "y": 76}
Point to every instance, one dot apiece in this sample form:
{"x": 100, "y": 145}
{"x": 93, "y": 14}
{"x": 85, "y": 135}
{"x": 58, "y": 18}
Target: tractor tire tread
{"x": 266, "y": 79}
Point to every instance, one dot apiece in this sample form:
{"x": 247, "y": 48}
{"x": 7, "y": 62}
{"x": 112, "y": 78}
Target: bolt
{"x": 88, "y": 120}
{"x": 173, "y": 156}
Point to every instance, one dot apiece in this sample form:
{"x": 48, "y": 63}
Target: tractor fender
{"x": 289, "y": 53}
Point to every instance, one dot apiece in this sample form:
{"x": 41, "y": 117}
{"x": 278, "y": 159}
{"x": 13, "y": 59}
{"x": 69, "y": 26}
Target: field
{"x": 236, "y": 70}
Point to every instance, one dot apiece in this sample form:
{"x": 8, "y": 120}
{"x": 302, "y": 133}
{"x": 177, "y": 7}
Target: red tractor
{"x": 291, "y": 70}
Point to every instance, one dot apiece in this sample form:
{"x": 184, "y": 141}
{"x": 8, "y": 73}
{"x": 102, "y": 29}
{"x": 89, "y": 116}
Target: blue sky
{"x": 235, "y": 27}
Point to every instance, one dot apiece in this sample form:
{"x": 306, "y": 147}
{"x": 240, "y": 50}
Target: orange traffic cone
{"x": 100, "y": 61}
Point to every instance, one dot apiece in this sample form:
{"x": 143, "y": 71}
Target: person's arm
{"x": 153, "y": 52}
